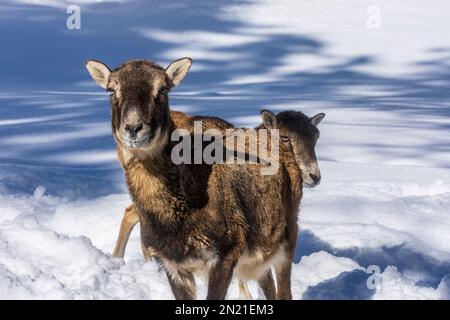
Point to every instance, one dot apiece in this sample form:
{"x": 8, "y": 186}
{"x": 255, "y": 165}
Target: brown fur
{"x": 239, "y": 221}
{"x": 302, "y": 134}
{"x": 186, "y": 122}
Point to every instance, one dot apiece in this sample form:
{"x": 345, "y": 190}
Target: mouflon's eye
{"x": 284, "y": 138}
{"x": 162, "y": 91}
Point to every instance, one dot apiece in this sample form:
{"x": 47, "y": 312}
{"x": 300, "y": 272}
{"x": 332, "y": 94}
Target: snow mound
{"x": 395, "y": 286}
{"x": 37, "y": 262}
{"x": 316, "y": 268}
{"x": 382, "y": 212}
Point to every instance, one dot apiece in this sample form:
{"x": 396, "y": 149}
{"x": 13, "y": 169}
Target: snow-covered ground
{"x": 384, "y": 150}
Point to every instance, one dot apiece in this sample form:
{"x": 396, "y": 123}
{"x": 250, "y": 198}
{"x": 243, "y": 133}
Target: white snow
{"x": 401, "y": 39}
{"x": 384, "y": 150}
{"x": 53, "y": 247}
{"x": 316, "y": 268}
{"x": 49, "y": 256}
{"x": 395, "y": 286}
{"x": 381, "y": 212}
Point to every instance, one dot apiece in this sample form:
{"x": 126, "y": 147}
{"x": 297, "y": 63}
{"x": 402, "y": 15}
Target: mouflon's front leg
{"x": 244, "y": 292}
{"x": 267, "y": 284}
{"x": 182, "y": 284}
{"x": 221, "y": 274}
{"x": 129, "y": 220}
{"x": 283, "y": 269}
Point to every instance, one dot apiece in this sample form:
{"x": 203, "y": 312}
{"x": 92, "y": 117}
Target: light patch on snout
{"x": 129, "y": 137}
{"x": 152, "y": 149}
{"x": 307, "y": 171}
{"x": 158, "y": 142}
{"x": 132, "y": 117}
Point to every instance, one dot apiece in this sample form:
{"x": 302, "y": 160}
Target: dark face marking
{"x": 140, "y": 108}
{"x": 297, "y": 130}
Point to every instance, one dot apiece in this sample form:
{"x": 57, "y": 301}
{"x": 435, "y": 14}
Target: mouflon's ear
{"x": 269, "y": 119}
{"x": 315, "y": 120}
{"x": 178, "y": 69}
{"x": 99, "y": 72}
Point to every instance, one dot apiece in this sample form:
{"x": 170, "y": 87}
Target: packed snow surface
{"x": 378, "y": 225}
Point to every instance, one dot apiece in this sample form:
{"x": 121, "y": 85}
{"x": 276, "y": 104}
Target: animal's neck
{"x": 295, "y": 175}
{"x": 287, "y": 160}
{"x": 153, "y": 182}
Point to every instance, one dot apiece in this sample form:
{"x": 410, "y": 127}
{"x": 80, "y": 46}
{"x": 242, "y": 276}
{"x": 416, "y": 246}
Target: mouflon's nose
{"x": 133, "y": 130}
{"x": 315, "y": 178}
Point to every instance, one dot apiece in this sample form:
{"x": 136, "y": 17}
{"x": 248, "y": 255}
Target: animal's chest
{"x": 156, "y": 192}
{"x": 144, "y": 187}
{"x": 163, "y": 211}
{"x": 174, "y": 240}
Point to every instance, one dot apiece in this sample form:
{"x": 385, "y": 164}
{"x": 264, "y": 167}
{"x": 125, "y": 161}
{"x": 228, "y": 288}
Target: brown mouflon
{"x": 297, "y": 132}
{"x": 237, "y": 221}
